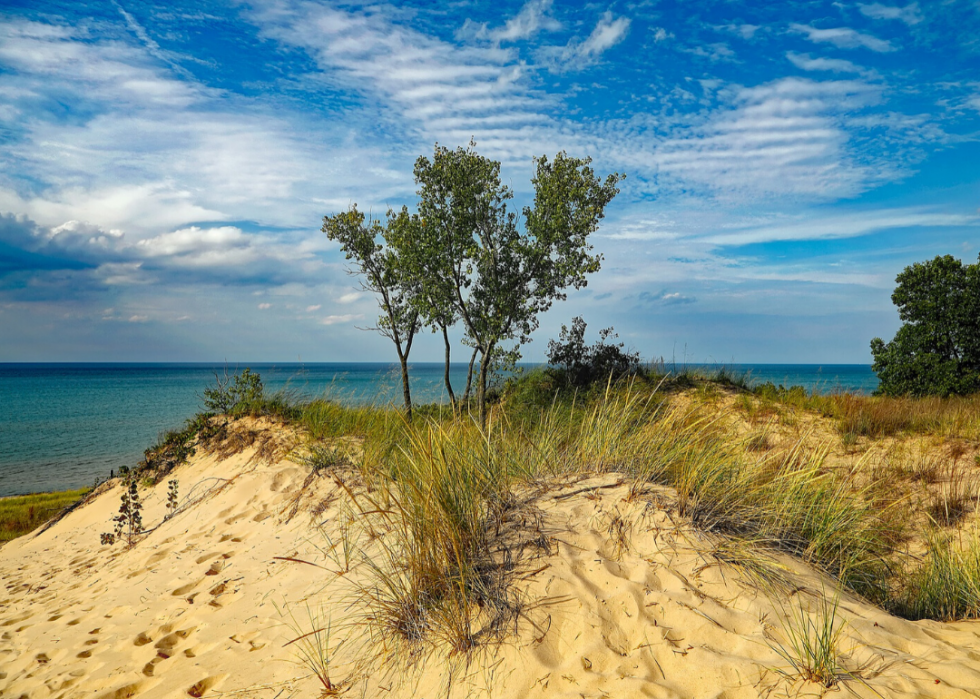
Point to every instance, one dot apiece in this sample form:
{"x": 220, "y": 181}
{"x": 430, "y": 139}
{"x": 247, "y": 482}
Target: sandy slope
{"x": 196, "y": 608}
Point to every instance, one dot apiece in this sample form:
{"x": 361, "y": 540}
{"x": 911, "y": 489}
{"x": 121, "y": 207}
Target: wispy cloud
{"x": 746, "y": 31}
{"x": 805, "y": 61}
{"x": 843, "y": 38}
{"x": 850, "y": 226}
{"x": 718, "y": 51}
{"x": 341, "y": 319}
{"x": 534, "y": 17}
{"x": 910, "y": 14}
{"x": 578, "y": 54}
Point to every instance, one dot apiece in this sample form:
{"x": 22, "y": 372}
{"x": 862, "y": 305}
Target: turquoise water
{"x": 66, "y": 425}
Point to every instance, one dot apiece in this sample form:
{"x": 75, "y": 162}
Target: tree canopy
{"x": 937, "y": 349}
{"x": 465, "y": 257}
{"x": 499, "y": 276}
{"x": 366, "y": 245}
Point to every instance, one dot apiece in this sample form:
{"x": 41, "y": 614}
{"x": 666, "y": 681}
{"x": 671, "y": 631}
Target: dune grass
{"x": 883, "y": 416}
{"x": 25, "y": 513}
{"x": 441, "y": 492}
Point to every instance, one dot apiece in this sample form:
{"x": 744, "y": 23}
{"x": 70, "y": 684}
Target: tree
{"x": 937, "y": 349}
{"x": 501, "y": 278}
{"x": 425, "y": 268}
{"x": 365, "y": 245}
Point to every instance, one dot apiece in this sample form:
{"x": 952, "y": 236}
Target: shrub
{"x": 230, "y": 393}
{"x": 582, "y": 365}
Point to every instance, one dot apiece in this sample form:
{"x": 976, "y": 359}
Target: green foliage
{"x": 386, "y": 269}
{"x": 503, "y": 278}
{"x": 230, "y": 394}
{"x": 463, "y": 256}
{"x": 937, "y": 349}
{"x": 25, "y": 513}
{"x": 581, "y": 365}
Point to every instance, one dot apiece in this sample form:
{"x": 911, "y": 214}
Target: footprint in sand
{"x": 184, "y": 589}
{"x": 126, "y": 692}
{"x": 198, "y": 689}
{"x": 166, "y": 645}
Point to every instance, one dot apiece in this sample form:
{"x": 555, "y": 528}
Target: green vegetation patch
{"x": 25, "y": 513}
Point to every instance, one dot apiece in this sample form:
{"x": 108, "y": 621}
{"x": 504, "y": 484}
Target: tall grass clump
{"x": 946, "y": 586}
{"x": 442, "y": 574}
{"x": 791, "y": 501}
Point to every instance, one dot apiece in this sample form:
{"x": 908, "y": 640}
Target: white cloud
{"x": 532, "y": 18}
{"x": 194, "y": 240}
{"x": 338, "y": 319}
{"x": 661, "y": 34}
{"x": 607, "y": 33}
{"x": 310, "y": 309}
{"x": 426, "y": 89}
{"x": 264, "y": 306}
{"x": 909, "y": 14}
{"x": 844, "y": 38}
{"x": 578, "y": 54}
{"x": 350, "y": 297}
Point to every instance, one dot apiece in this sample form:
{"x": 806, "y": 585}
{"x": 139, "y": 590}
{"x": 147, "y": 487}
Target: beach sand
{"x": 622, "y": 598}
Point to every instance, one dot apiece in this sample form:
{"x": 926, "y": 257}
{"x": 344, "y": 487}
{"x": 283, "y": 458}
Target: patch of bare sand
{"x": 624, "y": 600}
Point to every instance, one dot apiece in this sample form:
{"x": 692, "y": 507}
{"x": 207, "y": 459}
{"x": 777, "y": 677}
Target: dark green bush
{"x": 582, "y": 365}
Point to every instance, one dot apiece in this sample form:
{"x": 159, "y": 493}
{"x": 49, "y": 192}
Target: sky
{"x": 166, "y": 166}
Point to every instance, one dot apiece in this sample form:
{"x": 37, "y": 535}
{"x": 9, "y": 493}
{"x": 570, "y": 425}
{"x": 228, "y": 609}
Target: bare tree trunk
{"x": 406, "y": 390}
{"x": 449, "y": 384}
{"x": 469, "y": 376}
{"x": 481, "y": 388}
{"x": 403, "y": 359}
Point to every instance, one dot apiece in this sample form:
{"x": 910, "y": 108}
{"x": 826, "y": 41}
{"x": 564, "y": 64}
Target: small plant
{"x": 813, "y": 644}
{"x": 620, "y": 532}
{"x": 321, "y": 458}
{"x": 315, "y": 651}
{"x": 129, "y": 521}
{"x": 172, "y": 499}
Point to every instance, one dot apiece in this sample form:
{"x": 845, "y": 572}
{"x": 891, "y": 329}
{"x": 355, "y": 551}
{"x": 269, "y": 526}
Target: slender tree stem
{"x": 449, "y": 384}
{"x": 469, "y": 376}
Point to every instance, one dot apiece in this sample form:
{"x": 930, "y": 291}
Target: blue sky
{"x": 166, "y": 166}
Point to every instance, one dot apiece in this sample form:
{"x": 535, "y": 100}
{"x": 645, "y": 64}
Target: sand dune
{"x": 621, "y": 599}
